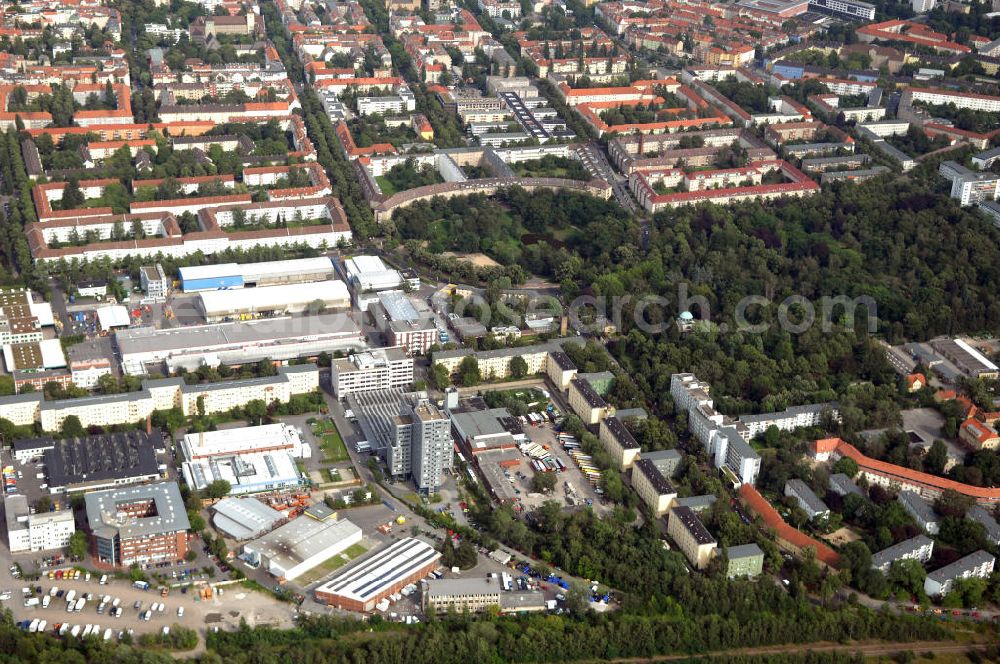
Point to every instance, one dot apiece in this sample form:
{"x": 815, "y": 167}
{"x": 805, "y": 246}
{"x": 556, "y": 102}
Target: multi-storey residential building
{"x": 377, "y": 369}
{"x": 842, "y": 485}
{"x": 651, "y": 480}
{"x": 806, "y": 498}
{"x": 162, "y": 394}
{"x": 619, "y": 442}
{"x": 744, "y": 560}
{"x": 138, "y": 525}
{"x": 36, "y": 532}
{"x": 970, "y": 187}
{"x": 990, "y": 526}
{"x": 920, "y": 510}
{"x": 724, "y": 440}
{"x": 86, "y": 373}
{"x": 691, "y": 536}
{"x": 586, "y": 402}
{"x": 919, "y": 548}
{"x": 975, "y": 565}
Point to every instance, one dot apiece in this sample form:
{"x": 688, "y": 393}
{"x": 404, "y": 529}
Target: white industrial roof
{"x": 976, "y": 354}
{"x": 43, "y": 312}
{"x": 241, "y": 441}
{"x": 244, "y": 518}
{"x": 52, "y": 354}
{"x": 264, "y": 298}
{"x": 210, "y": 271}
{"x": 302, "y": 539}
{"x": 373, "y": 575}
{"x": 113, "y": 316}
{"x": 371, "y": 273}
{"x": 291, "y": 266}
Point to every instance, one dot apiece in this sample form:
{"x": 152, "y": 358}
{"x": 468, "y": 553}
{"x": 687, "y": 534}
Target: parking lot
{"x": 223, "y": 610}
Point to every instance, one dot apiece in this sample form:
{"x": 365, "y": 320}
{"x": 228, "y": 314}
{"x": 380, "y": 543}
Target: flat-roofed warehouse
{"x": 365, "y": 583}
{"x": 244, "y": 518}
{"x": 218, "y": 305}
{"x": 270, "y": 273}
{"x": 300, "y": 545}
{"x": 102, "y": 462}
{"x": 236, "y": 343}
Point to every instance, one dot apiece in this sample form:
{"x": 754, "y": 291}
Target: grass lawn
{"x": 333, "y": 446}
{"x": 339, "y": 560}
{"x": 387, "y": 187}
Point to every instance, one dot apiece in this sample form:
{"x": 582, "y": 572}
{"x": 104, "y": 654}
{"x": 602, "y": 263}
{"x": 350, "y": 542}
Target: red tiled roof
{"x": 770, "y": 516}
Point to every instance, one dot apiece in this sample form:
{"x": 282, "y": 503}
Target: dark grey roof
{"x": 562, "y": 359}
{"x": 113, "y": 456}
{"x": 652, "y": 473}
{"x": 898, "y": 551}
{"x": 744, "y": 551}
{"x": 621, "y": 433}
{"x": 170, "y": 513}
{"x": 590, "y": 395}
{"x": 692, "y": 524}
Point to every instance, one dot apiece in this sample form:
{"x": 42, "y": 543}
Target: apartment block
{"x": 975, "y": 565}
{"x": 920, "y": 510}
{"x": 806, "y": 498}
{"x": 691, "y": 536}
{"x": 919, "y": 548}
{"x": 651, "y": 480}
{"x": 745, "y": 560}
{"x": 619, "y": 442}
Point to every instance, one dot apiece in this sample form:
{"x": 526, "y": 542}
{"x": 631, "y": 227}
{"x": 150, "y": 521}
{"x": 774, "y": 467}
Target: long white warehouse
{"x": 218, "y": 305}
{"x": 235, "y": 343}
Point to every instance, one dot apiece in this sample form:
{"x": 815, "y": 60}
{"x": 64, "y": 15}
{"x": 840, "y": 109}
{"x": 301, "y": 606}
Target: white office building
{"x": 36, "y": 532}
{"x": 376, "y": 369}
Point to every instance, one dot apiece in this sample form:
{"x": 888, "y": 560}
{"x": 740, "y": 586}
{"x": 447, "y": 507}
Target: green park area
{"x": 332, "y": 444}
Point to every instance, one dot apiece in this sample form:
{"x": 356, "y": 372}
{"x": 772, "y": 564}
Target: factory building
{"x": 300, "y": 545}
{"x": 251, "y": 459}
{"x": 237, "y": 343}
{"x": 364, "y": 584}
{"x": 266, "y": 301}
{"x": 228, "y": 276}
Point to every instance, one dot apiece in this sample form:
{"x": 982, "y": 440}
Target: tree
{"x": 952, "y": 503}
{"x": 543, "y": 482}
{"x": 937, "y": 458}
{"x": 439, "y": 376}
{"x": 78, "y": 545}
{"x": 72, "y": 197}
{"x": 218, "y": 489}
{"x": 43, "y": 504}
{"x": 72, "y": 428}
{"x": 255, "y": 410}
{"x": 847, "y": 466}
{"x": 468, "y": 371}
{"x": 518, "y": 367}
{"x": 197, "y": 521}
